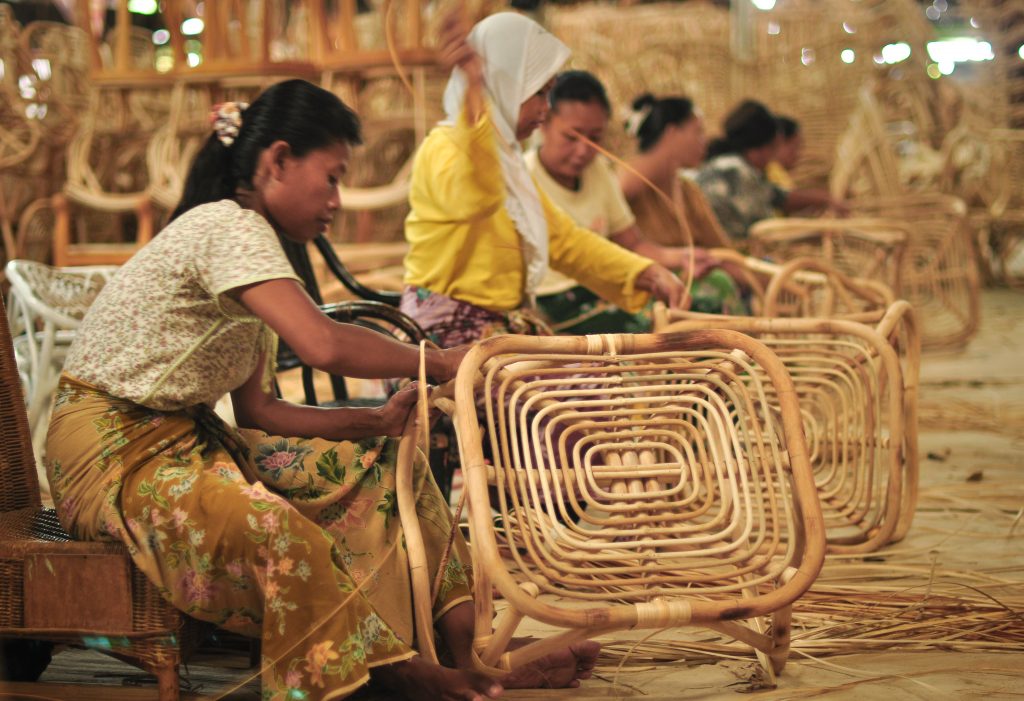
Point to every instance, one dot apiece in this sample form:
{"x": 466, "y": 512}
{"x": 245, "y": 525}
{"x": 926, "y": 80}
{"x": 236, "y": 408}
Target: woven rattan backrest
{"x": 17, "y": 465}
{"x": 643, "y": 474}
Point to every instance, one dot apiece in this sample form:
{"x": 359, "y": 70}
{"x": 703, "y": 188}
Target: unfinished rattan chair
{"x": 53, "y": 588}
{"x": 640, "y": 482}
{"x": 867, "y": 248}
{"x": 939, "y": 271}
{"x": 857, "y": 388}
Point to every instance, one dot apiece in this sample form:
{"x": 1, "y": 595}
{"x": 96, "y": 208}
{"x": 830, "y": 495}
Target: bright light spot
{"x": 848, "y": 55}
{"x": 3, "y": 70}
{"x": 1020, "y": 51}
{"x": 200, "y": 9}
{"x": 947, "y": 67}
{"x": 894, "y": 53}
{"x": 959, "y": 50}
{"x": 807, "y": 56}
{"x": 194, "y": 60}
{"x": 763, "y": 4}
{"x": 163, "y": 63}
{"x": 941, "y": 5}
{"x": 878, "y": 59}
{"x": 933, "y": 70}
{"x": 142, "y": 7}
{"x": 192, "y": 26}
{"x": 26, "y": 88}
{"x": 161, "y": 37}
{"x": 974, "y": 23}
{"x": 849, "y": 28}
{"x": 773, "y": 27}
{"x": 42, "y": 68}
{"x": 932, "y": 13}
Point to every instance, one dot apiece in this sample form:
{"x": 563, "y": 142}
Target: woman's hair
{"x": 299, "y": 113}
{"x": 651, "y": 116}
{"x": 578, "y": 86}
{"x": 750, "y": 125}
{"x": 788, "y": 126}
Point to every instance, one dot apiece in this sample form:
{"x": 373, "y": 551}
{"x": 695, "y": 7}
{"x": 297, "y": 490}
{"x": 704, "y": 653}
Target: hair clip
{"x": 636, "y": 120}
{"x": 226, "y": 119}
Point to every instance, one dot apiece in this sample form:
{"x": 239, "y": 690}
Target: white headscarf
{"x": 519, "y": 57}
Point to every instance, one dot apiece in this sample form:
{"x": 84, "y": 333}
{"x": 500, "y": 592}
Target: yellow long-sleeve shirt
{"x": 463, "y": 243}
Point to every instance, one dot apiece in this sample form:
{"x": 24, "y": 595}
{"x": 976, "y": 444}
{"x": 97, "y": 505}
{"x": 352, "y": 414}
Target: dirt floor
{"x": 940, "y": 615}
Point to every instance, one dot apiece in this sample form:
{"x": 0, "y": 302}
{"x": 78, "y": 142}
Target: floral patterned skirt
{"x": 295, "y": 540}
{"x": 450, "y": 322}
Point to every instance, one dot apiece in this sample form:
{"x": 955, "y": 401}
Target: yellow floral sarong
{"x": 295, "y": 540}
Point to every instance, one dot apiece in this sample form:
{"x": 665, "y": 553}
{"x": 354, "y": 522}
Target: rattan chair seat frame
{"x": 639, "y": 483}
{"x": 857, "y": 384}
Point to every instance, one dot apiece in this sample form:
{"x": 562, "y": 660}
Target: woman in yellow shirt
{"x": 481, "y": 233}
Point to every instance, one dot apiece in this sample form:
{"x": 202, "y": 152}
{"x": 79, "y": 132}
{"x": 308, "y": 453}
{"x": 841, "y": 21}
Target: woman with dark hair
{"x": 670, "y": 209}
{"x": 734, "y": 180}
{"x": 569, "y": 170}
{"x": 789, "y": 144}
{"x": 284, "y": 528}
{"x": 481, "y": 234}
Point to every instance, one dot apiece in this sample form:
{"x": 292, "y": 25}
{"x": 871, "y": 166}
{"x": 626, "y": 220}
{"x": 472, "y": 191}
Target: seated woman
{"x": 569, "y": 170}
{"x": 481, "y": 235}
{"x": 285, "y": 528}
{"x": 734, "y": 181}
{"x": 670, "y": 210}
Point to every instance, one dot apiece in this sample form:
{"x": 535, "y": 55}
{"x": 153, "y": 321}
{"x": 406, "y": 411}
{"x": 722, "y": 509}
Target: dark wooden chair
{"x": 374, "y": 309}
{"x": 56, "y": 589}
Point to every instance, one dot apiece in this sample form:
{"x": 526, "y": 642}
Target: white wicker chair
{"x": 45, "y": 307}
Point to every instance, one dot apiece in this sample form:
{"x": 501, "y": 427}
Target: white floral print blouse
{"x": 166, "y": 332}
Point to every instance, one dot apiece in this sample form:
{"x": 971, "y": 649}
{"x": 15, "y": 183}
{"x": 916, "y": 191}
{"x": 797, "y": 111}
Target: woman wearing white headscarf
{"x": 481, "y": 233}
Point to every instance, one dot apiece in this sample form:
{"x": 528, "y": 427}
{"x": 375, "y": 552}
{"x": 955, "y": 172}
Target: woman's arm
{"x": 254, "y": 408}
{"x": 340, "y": 349}
{"x": 672, "y": 257}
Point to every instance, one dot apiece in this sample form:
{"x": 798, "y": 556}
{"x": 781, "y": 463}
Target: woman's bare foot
{"x": 558, "y": 670}
{"x": 419, "y": 680}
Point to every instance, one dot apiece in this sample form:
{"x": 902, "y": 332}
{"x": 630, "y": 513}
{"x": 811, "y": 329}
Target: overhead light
{"x": 848, "y": 55}
{"x": 895, "y": 53}
{"x": 849, "y": 28}
{"x": 960, "y": 50}
{"x": 763, "y": 4}
{"x": 143, "y": 7}
{"x": 161, "y": 37}
{"x": 192, "y": 26}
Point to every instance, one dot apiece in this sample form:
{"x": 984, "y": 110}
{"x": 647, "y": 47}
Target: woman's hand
{"x": 395, "y": 413}
{"x": 702, "y": 261}
{"x": 455, "y": 51}
{"x": 443, "y": 364}
{"x": 664, "y": 286}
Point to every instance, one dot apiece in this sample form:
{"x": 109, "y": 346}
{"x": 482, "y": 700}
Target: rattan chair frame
{"x": 869, "y": 248}
{"x": 867, "y": 368}
{"x": 724, "y": 581}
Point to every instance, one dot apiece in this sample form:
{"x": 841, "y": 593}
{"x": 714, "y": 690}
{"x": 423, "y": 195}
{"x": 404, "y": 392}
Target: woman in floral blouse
{"x": 287, "y": 527}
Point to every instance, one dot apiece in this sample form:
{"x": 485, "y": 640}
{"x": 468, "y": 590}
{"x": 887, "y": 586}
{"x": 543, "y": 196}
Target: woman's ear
{"x": 274, "y": 158}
